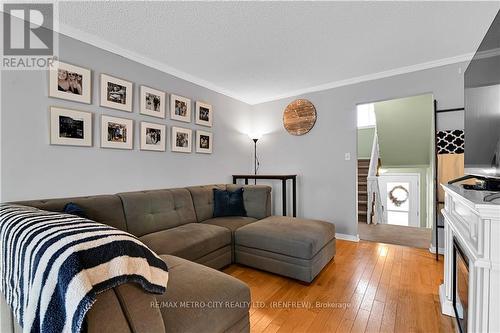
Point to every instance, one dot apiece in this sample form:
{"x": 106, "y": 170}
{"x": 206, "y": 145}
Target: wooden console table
{"x": 283, "y": 179}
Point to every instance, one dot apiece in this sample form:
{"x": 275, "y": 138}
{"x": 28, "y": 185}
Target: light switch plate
{"x": 347, "y": 156}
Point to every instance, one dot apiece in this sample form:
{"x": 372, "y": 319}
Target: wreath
{"x": 396, "y": 200}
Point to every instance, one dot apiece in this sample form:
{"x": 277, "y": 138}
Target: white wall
{"x": 327, "y": 182}
{"x": 31, "y": 168}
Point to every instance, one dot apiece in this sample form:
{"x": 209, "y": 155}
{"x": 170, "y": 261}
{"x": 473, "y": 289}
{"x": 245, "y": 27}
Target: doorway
{"x": 400, "y": 193}
{"x": 396, "y": 156}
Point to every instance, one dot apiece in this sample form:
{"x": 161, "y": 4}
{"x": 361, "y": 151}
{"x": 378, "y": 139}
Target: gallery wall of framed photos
{"x": 65, "y": 169}
{"x": 73, "y": 127}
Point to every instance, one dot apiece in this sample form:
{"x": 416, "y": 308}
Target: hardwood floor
{"x": 369, "y": 287}
{"x": 395, "y": 234}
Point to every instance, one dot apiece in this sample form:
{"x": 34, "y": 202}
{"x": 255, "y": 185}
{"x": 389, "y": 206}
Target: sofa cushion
{"x": 223, "y": 301}
{"x": 293, "y": 237}
{"x": 73, "y": 209}
{"x": 231, "y": 222}
{"x": 150, "y": 211}
{"x": 257, "y": 199}
{"x": 229, "y": 203}
{"x": 189, "y": 241}
{"x": 105, "y": 209}
{"x": 203, "y": 200}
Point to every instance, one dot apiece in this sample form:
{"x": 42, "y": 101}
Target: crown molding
{"x": 113, "y": 48}
{"x": 370, "y": 77}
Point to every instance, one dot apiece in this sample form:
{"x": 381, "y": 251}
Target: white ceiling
{"x": 259, "y": 51}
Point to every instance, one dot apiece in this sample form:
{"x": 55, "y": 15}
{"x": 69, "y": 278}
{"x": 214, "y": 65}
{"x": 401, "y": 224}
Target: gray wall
{"x": 327, "y": 182}
{"x": 31, "y": 168}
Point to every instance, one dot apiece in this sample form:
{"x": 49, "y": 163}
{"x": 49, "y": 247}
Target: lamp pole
{"x": 255, "y": 158}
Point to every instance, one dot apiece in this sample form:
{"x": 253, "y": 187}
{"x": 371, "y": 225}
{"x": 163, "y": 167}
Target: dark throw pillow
{"x": 227, "y": 203}
{"x": 74, "y": 209}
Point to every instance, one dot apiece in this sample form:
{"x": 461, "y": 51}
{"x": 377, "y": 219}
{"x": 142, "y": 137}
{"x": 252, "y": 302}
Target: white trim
{"x": 370, "y": 77}
{"x": 347, "y": 237}
{"x": 108, "y": 46}
{"x": 446, "y": 305}
{"x": 367, "y": 126}
{"x": 432, "y": 249}
{"x": 113, "y": 48}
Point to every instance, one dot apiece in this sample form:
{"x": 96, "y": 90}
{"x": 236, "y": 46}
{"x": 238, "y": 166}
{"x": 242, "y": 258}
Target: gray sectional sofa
{"x": 178, "y": 224}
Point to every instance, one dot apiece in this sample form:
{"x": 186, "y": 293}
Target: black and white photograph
{"x": 116, "y": 93}
{"x": 152, "y": 102}
{"x": 180, "y": 108}
{"x": 69, "y": 82}
{"x": 70, "y": 127}
{"x": 181, "y": 139}
{"x": 204, "y": 142}
{"x": 153, "y": 136}
{"x": 204, "y": 114}
{"x": 116, "y": 132}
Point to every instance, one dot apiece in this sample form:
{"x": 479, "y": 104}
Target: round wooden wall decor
{"x": 299, "y": 117}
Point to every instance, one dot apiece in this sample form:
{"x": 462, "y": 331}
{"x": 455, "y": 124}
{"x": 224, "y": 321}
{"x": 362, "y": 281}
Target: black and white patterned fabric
{"x": 450, "y": 142}
{"x": 53, "y": 266}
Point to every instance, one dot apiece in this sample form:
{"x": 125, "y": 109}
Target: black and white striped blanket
{"x": 53, "y": 266}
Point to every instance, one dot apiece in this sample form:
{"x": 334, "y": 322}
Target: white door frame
{"x": 413, "y": 219}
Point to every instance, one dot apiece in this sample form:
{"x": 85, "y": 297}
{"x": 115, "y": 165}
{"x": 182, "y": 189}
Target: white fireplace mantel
{"x": 475, "y": 224}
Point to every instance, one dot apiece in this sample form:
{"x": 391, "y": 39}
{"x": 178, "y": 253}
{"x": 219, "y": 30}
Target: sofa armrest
{"x": 126, "y": 308}
{"x": 257, "y": 199}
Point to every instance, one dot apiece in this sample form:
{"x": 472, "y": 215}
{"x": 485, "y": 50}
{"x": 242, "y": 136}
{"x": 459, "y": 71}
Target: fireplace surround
{"x": 460, "y": 289}
{"x": 472, "y": 246}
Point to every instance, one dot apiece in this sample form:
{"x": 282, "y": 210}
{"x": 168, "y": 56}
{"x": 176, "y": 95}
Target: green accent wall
{"x": 365, "y": 142}
{"x": 404, "y": 128}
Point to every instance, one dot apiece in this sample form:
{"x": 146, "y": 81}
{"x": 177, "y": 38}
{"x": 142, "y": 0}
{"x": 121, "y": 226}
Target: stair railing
{"x": 375, "y": 208}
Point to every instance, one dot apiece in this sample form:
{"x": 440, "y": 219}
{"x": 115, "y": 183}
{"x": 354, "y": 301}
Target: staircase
{"x": 363, "y": 166}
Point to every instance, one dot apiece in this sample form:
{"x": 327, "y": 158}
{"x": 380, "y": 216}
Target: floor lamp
{"x": 256, "y": 163}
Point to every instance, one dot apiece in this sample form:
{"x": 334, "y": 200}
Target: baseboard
{"x": 432, "y": 249}
{"x": 347, "y": 237}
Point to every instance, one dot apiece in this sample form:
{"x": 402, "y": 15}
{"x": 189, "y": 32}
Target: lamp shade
{"x": 255, "y": 135}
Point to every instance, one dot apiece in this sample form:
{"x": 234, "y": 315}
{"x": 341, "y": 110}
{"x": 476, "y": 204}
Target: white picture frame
{"x": 180, "y": 108}
{"x": 116, "y": 132}
{"x": 204, "y": 142}
{"x": 116, "y": 93}
{"x": 70, "y": 127}
{"x": 152, "y": 102}
{"x": 182, "y": 139}
{"x": 75, "y": 86}
{"x": 153, "y": 136}
{"x": 204, "y": 114}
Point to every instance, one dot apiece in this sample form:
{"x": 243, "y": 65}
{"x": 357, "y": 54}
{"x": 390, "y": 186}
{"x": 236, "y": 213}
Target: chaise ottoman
{"x": 297, "y": 248}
